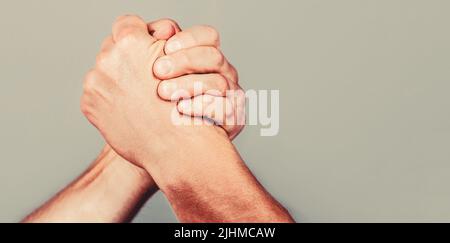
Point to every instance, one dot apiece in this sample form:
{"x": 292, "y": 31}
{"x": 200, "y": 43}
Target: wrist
{"x": 111, "y": 166}
{"x": 185, "y": 152}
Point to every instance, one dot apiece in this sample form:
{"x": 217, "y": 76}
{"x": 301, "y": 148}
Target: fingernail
{"x": 163, "y": 66}
{"x": 168, "y": 88}
{"x": 173, "y": 46}
{"x": 184, "y": 106}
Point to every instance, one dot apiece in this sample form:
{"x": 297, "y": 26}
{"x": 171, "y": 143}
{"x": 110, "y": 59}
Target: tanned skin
{"x": 196, "y": 167}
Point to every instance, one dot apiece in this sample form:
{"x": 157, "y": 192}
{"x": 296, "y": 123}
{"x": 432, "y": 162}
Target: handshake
{"x": 168, "y": 103}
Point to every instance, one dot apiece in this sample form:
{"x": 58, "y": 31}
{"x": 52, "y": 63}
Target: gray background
{"x": 365, "y": 123}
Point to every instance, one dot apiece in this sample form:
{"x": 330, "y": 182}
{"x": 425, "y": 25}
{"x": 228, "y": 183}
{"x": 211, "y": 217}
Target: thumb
{"x": 156, "y": 50}
{"x": 163, "y": 29}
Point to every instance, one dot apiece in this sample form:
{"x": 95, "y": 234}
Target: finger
{"x": 163, "y": 29}
{"x": 218, "y": 109}
{"x": 193, "y": 85}
{"x": 129, "y": 26}
{"x": 232, "y": 74}
{"x": 227, "y": 112}
{"x": 199, "y": 60}
{"x": 235, "y": 121}
{"x": 196, "y": 36}
{"x": 107, "y": 44}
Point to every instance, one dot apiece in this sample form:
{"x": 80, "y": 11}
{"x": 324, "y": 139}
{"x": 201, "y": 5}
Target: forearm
{"x": 211, "y": 183}
{"x": 111, "y": 190}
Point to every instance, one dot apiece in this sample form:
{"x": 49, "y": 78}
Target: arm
{"x": 196, "y": 166}
{"x": 111, "y": 190}
{"x": 80, "y": 201}
{"x": 211, "y": 183}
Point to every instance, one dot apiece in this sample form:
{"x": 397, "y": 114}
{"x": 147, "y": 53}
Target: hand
{"x": 203, "y": 176}
{"x": 120, "y": 96}
{"x": 194, "y": 59}
{"x": 161, "y": 29}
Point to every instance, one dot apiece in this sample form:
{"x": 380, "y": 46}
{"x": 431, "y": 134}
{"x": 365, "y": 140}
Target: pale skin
{"x": 130, "y": 106}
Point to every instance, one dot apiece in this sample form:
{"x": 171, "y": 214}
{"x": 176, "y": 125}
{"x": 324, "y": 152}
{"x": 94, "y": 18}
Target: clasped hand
{"x": 146, "y": 71}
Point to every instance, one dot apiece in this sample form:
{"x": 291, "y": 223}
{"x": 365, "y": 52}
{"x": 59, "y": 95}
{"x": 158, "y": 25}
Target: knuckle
{"x": 121, "y": 18}
{"x": 127, "y": 26}
{"x": 106, "y": 42}
{"x": 84, "y": 106}
{"x": 189, "y": 36}
{"x": 130, "y": 19}
{"x": 101, "y": 59}
{"x": 221, "y": 83}
{"x": 84, "y": 109}
{"x": 213, "y": 33}
{"x": 90, "y": 80}
{"x": 237, "y": 98}
{"x": 240, "y": 95}
{"x": 217, "y": 58}
{"x": 240, "y": 99}
{"x": 234, "y": 74}
{"x": 127, "y": 36}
